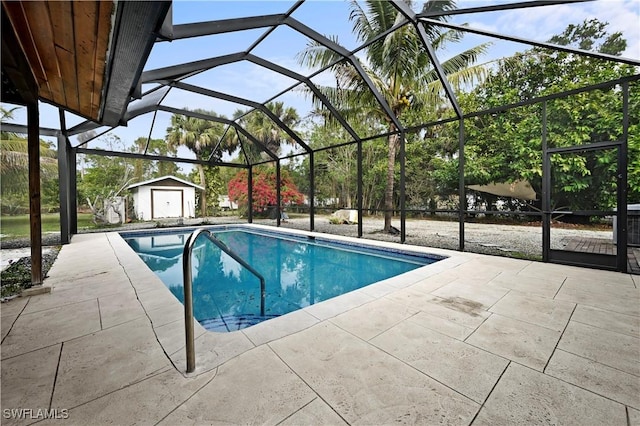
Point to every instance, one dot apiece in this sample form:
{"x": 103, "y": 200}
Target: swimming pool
{"x": 298, "y": 270}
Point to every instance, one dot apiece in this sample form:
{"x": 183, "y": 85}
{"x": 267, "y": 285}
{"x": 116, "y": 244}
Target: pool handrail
{"x": 188, "y": 290}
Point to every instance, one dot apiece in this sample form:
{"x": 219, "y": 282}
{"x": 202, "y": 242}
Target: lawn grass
{"x": 18, "y": 226}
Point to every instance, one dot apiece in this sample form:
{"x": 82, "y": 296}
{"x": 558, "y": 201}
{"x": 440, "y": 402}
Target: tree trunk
{"x": 388, "y": 192}
{"x": 203, "y": 197}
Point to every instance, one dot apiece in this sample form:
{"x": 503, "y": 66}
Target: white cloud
{"x": 536, "y": 23}
{"x": 482, "y": 25}
{"x": 541, "y": 23}
{"x": 623, "y": 16}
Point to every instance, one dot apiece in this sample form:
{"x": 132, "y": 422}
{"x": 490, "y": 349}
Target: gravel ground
{"x": 503, "y": 240}
{"x": 52, "y": 239}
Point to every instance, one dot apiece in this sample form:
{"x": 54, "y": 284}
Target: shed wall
{"x": 143, "y": 201}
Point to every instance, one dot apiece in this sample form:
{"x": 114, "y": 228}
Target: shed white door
{"x": 166, "y": 203}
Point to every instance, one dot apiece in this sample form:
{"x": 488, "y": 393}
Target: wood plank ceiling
{"x": 66, "y": 44}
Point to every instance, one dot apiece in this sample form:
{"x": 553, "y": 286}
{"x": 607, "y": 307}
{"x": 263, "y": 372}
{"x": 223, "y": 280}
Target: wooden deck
{"x": 605, "y": 246}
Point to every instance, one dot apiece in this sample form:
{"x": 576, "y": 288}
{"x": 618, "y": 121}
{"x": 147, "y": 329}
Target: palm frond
{"x": 196, "y": 134}
{"x": 316, "y": 55}
{"x": 444, "y": 38}
{"x": 382, "y": 16}
{"x": 435, "y": 96}
{"x": 396, "y": 64}
{"x": 439, "y": 6}
{"x": 457, "y": 64}
{"x": 361, "y": 25}
{"x": 14, "y": 160}
{"x": 464, "y": 59}
{"x": 7, "y": 114}
{"x": 401, "y": 57}
{"x": 377, "y": 17}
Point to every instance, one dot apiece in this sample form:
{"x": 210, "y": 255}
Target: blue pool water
{"x": 299, "y": 271}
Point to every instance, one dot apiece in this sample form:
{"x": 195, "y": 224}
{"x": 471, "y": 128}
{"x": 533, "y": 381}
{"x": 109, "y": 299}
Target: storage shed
{"x": 164, "y": 197}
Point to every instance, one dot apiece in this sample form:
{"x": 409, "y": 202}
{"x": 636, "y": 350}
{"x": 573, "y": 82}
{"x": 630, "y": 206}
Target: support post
{"x": 63, "y": 180}
{"x": 63, "y": 183}
{"x": 278, "y": 200}
{"x": 73, "y": 191}
{"x": 546, "y": 189}
{"x": 403, "y": 213}
{"x": 250, "y": 195}
{"x": 622, "y": 231}
{"x": 312, "y": 191}
{"x": 462, "y": 204}
{"x": 35, "y": 220}
{"x": 359, "y": 190}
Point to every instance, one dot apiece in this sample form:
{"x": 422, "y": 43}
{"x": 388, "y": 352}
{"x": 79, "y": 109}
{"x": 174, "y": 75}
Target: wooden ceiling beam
{"x": 64, "y": 41}
{"x": 15, "y": 67}
{"x": 39, "y": 22}
{"x": 84, "y": 23}
{"x": 102, "y": 44}
{"x": 16, "y": 15}
{"x": 67, "y": 46}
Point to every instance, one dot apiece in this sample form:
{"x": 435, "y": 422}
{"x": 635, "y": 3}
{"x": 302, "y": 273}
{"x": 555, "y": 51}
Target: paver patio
{"x": 471, "y": 339}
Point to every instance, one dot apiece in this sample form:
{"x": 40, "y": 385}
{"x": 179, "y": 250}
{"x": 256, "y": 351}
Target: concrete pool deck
{"x": 472, "y": 339}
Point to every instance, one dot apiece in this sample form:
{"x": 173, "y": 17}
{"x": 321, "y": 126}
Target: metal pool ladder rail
{"x": 188, "y": 291}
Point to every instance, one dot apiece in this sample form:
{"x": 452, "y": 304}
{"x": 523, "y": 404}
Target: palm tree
{"x": 398, "y": 67}
{"x": 199, "y": 136}
{"x": 266, "y": 130}
{"x": 14, "y": 159}
{"x": 144, "y": 169}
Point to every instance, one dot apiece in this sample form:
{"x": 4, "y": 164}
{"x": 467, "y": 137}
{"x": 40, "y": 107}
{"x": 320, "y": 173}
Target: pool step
{"x": 234, "y": 322}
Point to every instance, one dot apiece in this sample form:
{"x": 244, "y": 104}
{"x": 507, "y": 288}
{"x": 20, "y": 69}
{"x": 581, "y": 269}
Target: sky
{"x": 328, "y": 17}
